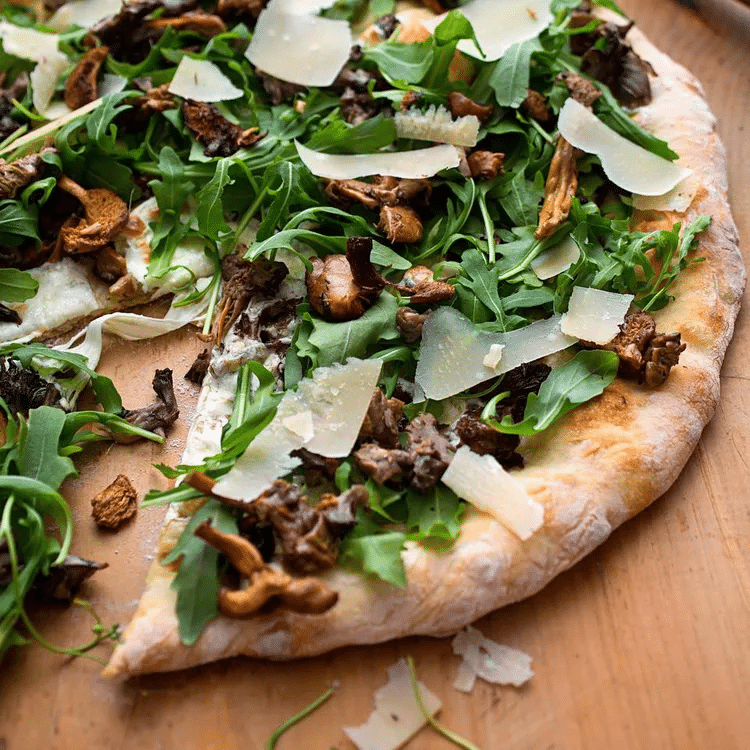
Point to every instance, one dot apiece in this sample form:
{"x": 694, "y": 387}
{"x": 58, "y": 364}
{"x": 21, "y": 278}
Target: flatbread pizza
{"x": 472, "y": 326}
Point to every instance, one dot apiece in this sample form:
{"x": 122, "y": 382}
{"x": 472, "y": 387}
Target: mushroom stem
{"x": 69, "y": 186}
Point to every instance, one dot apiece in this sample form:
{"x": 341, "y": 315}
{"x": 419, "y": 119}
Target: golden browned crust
{"x": 604, "y": 463}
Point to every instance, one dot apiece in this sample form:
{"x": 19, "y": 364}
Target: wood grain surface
{"x": 643, "y": 645}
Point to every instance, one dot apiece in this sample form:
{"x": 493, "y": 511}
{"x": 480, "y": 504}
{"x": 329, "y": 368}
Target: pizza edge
{"x": 608, "y": 459}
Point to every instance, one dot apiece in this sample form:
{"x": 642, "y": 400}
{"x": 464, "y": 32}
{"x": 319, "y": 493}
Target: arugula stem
{"x": 489, "y": 227}
{"x": 100, "y": 633}
{"x": 547, "y": 137}
{"x": 212, "y": 300}
{"x": 430, "y": 719}
{"x": 248, "y": 215}
{"x": 274, "y": 738}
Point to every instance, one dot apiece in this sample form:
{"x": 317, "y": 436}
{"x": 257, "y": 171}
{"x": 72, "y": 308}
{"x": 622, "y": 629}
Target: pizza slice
{"x": 464, "y": 313}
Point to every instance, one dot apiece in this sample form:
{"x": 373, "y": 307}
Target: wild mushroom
{"x": 266, "y": 586}
{"x": 212, "y": 130}
{"x": 21, "y": 172}
{"x": 400, "y": 224}
{"x": 157, "y": 416}
{"x": 81, "y": 87}
{"x": 106, "y": 214}
{"x": 485, "y": 165}
{"x": 343, "y": 287}
{"x": 562, "y": 181}
{"x": 205, "y": 24}
{"x": 419, "y": 283}
{"x": 460, "y": 105}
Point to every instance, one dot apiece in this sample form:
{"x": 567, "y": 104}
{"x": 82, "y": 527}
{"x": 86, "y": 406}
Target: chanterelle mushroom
{"x": 81, "y": 87}
{"x": 266, "y": 586}
{"x": 106, "y": 215}
{"x": 344, "y": 287}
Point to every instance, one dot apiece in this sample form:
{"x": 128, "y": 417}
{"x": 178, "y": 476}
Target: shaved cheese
{"x": 481, "y": 481}
{"x": 595, "y": 315}
{"x": 83, "y": 13}
{"x": 417, "y": 164}
{"x": 324, "y": 415}
{"x": 44, "y": 80}
{"x": 454, "y": 354}
{"x": 303, "y": 49}
{"x": 111, "y": 83}
{"x": 485, "y": 658}
{"x": 27, "y": 43}
{"x": 48, "y": 309}
{"x": 301, "y": 7}
{"x": 499, "y": 24}
{"x": 678, "y": 198}
{"x": 437, "y": 125}
{"x": 397, "y": 715}
{"x": 556, "y": 259}
{"x": 203, "y": 81}
{"x": 629, "y": 166}
{"x": 493, "y": 356}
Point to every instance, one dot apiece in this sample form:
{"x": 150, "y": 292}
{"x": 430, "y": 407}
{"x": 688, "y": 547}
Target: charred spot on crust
{"x": 211, "y": 129}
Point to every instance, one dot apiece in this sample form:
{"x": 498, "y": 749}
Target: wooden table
{"x": 642, "y": 645}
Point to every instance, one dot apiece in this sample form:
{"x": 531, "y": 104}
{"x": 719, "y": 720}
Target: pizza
{"x": 435, "y": 376}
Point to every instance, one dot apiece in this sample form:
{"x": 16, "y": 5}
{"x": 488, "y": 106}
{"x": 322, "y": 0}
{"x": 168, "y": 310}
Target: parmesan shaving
{"x": 555, "y": 260}
{"x": 416, "y": 165}
{"x": 454, "y": 353}
{"x": 397, "y": 715}
{"x": 678, "y": 198}
{"x": 203, "y": 81}
{"x": 44, "y": 80}
{"x": 629, "y": 166}
{"x": 437, "y": 125}
{"x": 499, "y": 24}
{"x": 485, "y": 658}
{"x": 324, "y": 415}
{"x": 82, "y": 13}
{"x": 27, "y": 43}
{"x": 595, "y": 315}
{"x": 482, "y": 481}
{"x": 303, "y": 49}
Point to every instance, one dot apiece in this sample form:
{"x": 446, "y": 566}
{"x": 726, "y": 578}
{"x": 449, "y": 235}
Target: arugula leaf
{"x": 435, "y": 516}
{"x": 197, "y": 581}
{"x": 38, "y": 455}
{"x": 510, "y": 76}
{"x": 16, "y": 286}
{"x": 374, "y": 550}
{"x": 210, "y": 211}
{"x": 483, "y": 281}
{"x": 398, "y": 61}
{"x": 99, "y": 124}
{"x": 17, "y": 222}
{"x": 567, "y": 386}
{"x": 335, "y": 342}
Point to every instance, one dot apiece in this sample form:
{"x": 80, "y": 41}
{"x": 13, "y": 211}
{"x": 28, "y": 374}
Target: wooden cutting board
{"x": 644, "y": 644}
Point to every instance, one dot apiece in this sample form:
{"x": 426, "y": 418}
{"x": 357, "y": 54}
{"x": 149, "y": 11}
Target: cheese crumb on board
{"x": 397, "y": 716}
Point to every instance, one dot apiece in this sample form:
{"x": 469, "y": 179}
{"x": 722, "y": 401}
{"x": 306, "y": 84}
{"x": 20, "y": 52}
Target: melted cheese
{"x": 48, "y": 309}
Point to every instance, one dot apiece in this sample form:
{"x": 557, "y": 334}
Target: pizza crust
{"x": 605, "y": 462}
